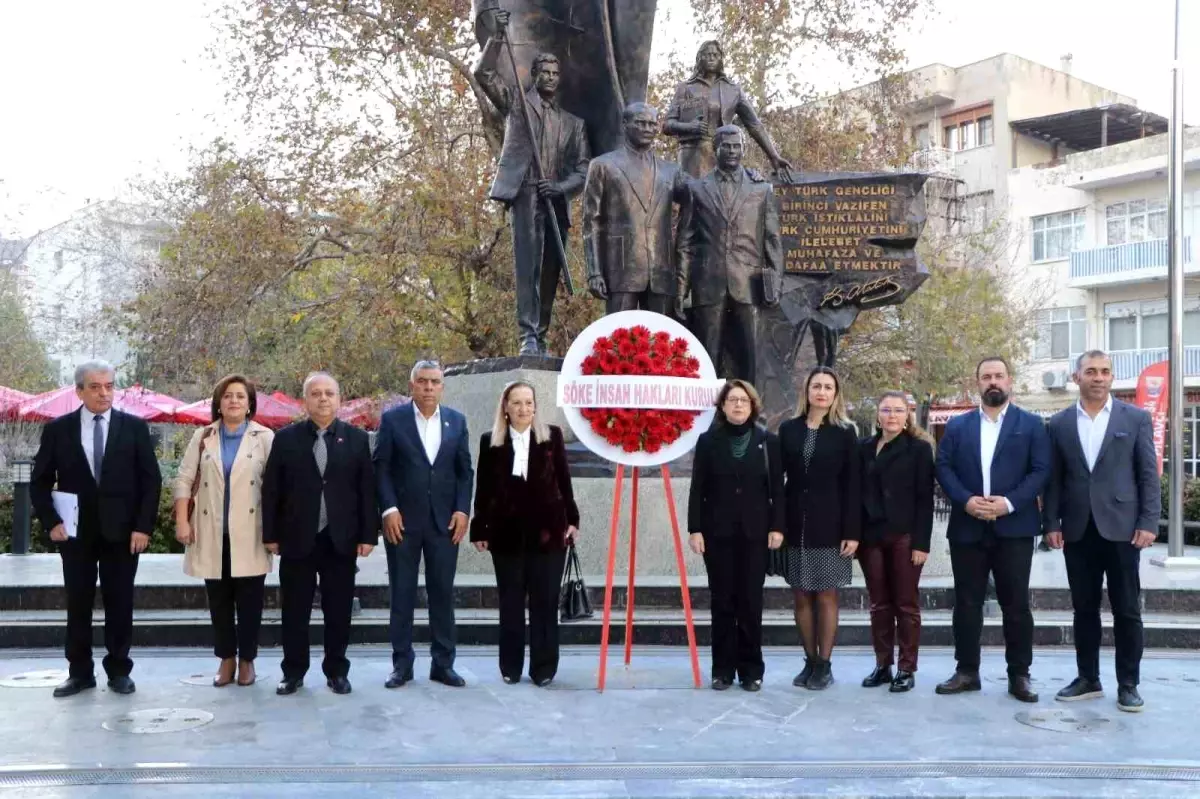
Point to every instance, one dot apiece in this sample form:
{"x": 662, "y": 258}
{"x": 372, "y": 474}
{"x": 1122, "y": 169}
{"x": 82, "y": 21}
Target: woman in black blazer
{"x": 897, "y": 468}
{"x": 820, "y": 461}
{"x": 525, "y": 516}
{"x": 735, "y": 513}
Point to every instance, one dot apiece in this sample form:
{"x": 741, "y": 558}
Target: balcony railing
{"x": 1128, "y": 364}
{"x": 935, "y": 160}
{"x": 1119, "y": 262}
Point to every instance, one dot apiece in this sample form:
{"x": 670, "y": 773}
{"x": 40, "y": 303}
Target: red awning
{"x": 61, "y": 401}
{"x": 270, "y": 412}
{"x": 365, "y": 412}
{"x": 10, "y": 403}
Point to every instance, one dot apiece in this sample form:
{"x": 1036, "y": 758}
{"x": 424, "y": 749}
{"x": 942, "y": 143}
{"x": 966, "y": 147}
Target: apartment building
{"x": 76, "y": 275}
{"x": 1096, "y": 233}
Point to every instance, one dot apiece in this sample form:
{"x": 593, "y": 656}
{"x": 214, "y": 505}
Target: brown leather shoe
{"x": 960, "y": 683}
{"x": 224, "y": 673}
{"x": 246, "y": 675}
{"x": 1021, "y": 688}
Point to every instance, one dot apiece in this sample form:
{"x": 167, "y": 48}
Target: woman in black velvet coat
{"x": 525, "y": 515}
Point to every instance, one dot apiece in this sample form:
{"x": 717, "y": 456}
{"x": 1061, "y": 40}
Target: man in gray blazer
{"x": 1102, "y": 506}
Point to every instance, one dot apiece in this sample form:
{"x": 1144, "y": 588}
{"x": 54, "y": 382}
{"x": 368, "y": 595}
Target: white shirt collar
{"x": 106, "y": 416}
{"x": 1108, "y": 405}
{"x": 999, "y": 416}
{"x": 523, "y": 436}
{"x": 437, "y": 413}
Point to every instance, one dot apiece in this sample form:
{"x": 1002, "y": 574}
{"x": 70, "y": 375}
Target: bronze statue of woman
{"x": 706, "y": 101}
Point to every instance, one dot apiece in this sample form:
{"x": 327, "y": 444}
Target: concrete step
{"x": 479, "y": 626}
{"x": 474, "y": 591}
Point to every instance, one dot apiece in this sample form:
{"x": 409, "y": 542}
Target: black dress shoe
{"x": 287, "y": 686}
{"x": 1079, "y": 689}
{"x": 753, "y": 686}
{"x": 447, "y": 677}
{"x": 542, "y": 682}
{"x": 398, "y": 678}
{"x": 1129, "y": 700}
{"x": 903, "y": 683}
{"x": 74, "y": 685}
{"x": 339, "y": 685}
{"x": 721, "y": 684}
{"x": 1020, "y": 688}
{"x": 121, "y": 685}
{"x": 960, "y": 683}
{"x": 801, "y": 679}
{"x": 881, "y": 676}
{"x": 511, "y": 680}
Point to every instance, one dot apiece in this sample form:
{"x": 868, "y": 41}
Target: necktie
{"x": 97, "y": 447}
{"x": 321, "y": 455}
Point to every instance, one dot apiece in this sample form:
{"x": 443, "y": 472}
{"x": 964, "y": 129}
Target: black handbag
{"x": 776, "y": 558}
{"x": 573, "y": 602}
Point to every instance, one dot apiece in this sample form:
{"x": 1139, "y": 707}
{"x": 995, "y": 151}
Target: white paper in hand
{"x": 67, "y": 507}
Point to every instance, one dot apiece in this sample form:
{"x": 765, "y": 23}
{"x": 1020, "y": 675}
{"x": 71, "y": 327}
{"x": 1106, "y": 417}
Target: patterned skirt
{"x": 817, "y": 568}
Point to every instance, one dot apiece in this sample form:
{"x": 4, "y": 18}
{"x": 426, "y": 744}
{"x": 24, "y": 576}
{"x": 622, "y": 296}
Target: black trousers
{"x": 235, "y": 605}
{"x": 84, "y": 559}
{"x": 1089, "y": 561}
{"x": 297, "y": 583}
{"x": 1009, "y": 561}
{"x": 728, "y": 326}
{"x": 645, "y": 301}
{"x": 737, "y": 568}
{"x": 536, "y": 577}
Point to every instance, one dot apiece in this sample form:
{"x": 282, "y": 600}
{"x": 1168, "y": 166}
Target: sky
{"x": 97, "y": 94}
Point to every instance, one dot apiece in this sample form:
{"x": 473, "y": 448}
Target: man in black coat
{"x": 105, "y": 458}
{"x": 1102, "y": 506}
{"x": 318, "y": 501}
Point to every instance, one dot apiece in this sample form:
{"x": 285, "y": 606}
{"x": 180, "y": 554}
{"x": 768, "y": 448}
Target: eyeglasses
{"x": 738, "y": 401}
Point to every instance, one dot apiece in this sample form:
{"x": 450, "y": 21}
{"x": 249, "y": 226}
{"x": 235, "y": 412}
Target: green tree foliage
{"x": 24, "y": 364}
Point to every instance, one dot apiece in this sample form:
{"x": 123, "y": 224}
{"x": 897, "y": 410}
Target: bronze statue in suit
{"x": 733, "y": 259}
{"x": 628, "y": 237}
{"x": 705, "y": 102}
{"x": 564, "y": 153}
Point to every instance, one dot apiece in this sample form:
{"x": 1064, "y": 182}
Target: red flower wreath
{"x": 637, "y": 351}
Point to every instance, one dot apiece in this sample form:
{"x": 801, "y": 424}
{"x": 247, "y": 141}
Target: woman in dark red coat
{"x": 525, "y": 515}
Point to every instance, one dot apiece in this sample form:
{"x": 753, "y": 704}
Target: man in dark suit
{"x": 1102, "y": 507}
{"x": 105, "y": 458}
{"x": 318, "y": 506}
{"x": 732, "y": 259}
{"x": 563, "y": 151}
{"x": 424, "y": 475}
{"x": 629, "y": 242}
{"x": 993, "y": 465}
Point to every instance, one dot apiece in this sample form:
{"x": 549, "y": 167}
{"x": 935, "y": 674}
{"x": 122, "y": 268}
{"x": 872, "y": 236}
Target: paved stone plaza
{"x": 649, "y": 735}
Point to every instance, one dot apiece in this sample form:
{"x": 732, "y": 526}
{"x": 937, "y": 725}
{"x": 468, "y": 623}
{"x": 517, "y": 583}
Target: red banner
{"x": 1152, "y": 397}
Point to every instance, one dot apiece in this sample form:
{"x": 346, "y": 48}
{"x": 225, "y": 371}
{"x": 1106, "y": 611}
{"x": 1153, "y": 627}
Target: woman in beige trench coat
{"x": 222, "y": 470}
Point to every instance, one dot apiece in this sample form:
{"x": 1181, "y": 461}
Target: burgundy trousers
{"x": 895, "y": 602}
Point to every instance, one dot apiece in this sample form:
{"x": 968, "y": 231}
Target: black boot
{"x": 801, "y": 679}
{"x": 822, "y": 676}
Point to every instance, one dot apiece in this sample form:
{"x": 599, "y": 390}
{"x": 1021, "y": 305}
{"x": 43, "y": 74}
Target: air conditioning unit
{"x": 1055, "y": 378}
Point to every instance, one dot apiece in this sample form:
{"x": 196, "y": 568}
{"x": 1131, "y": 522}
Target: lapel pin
{"x": 339, "y": 441}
